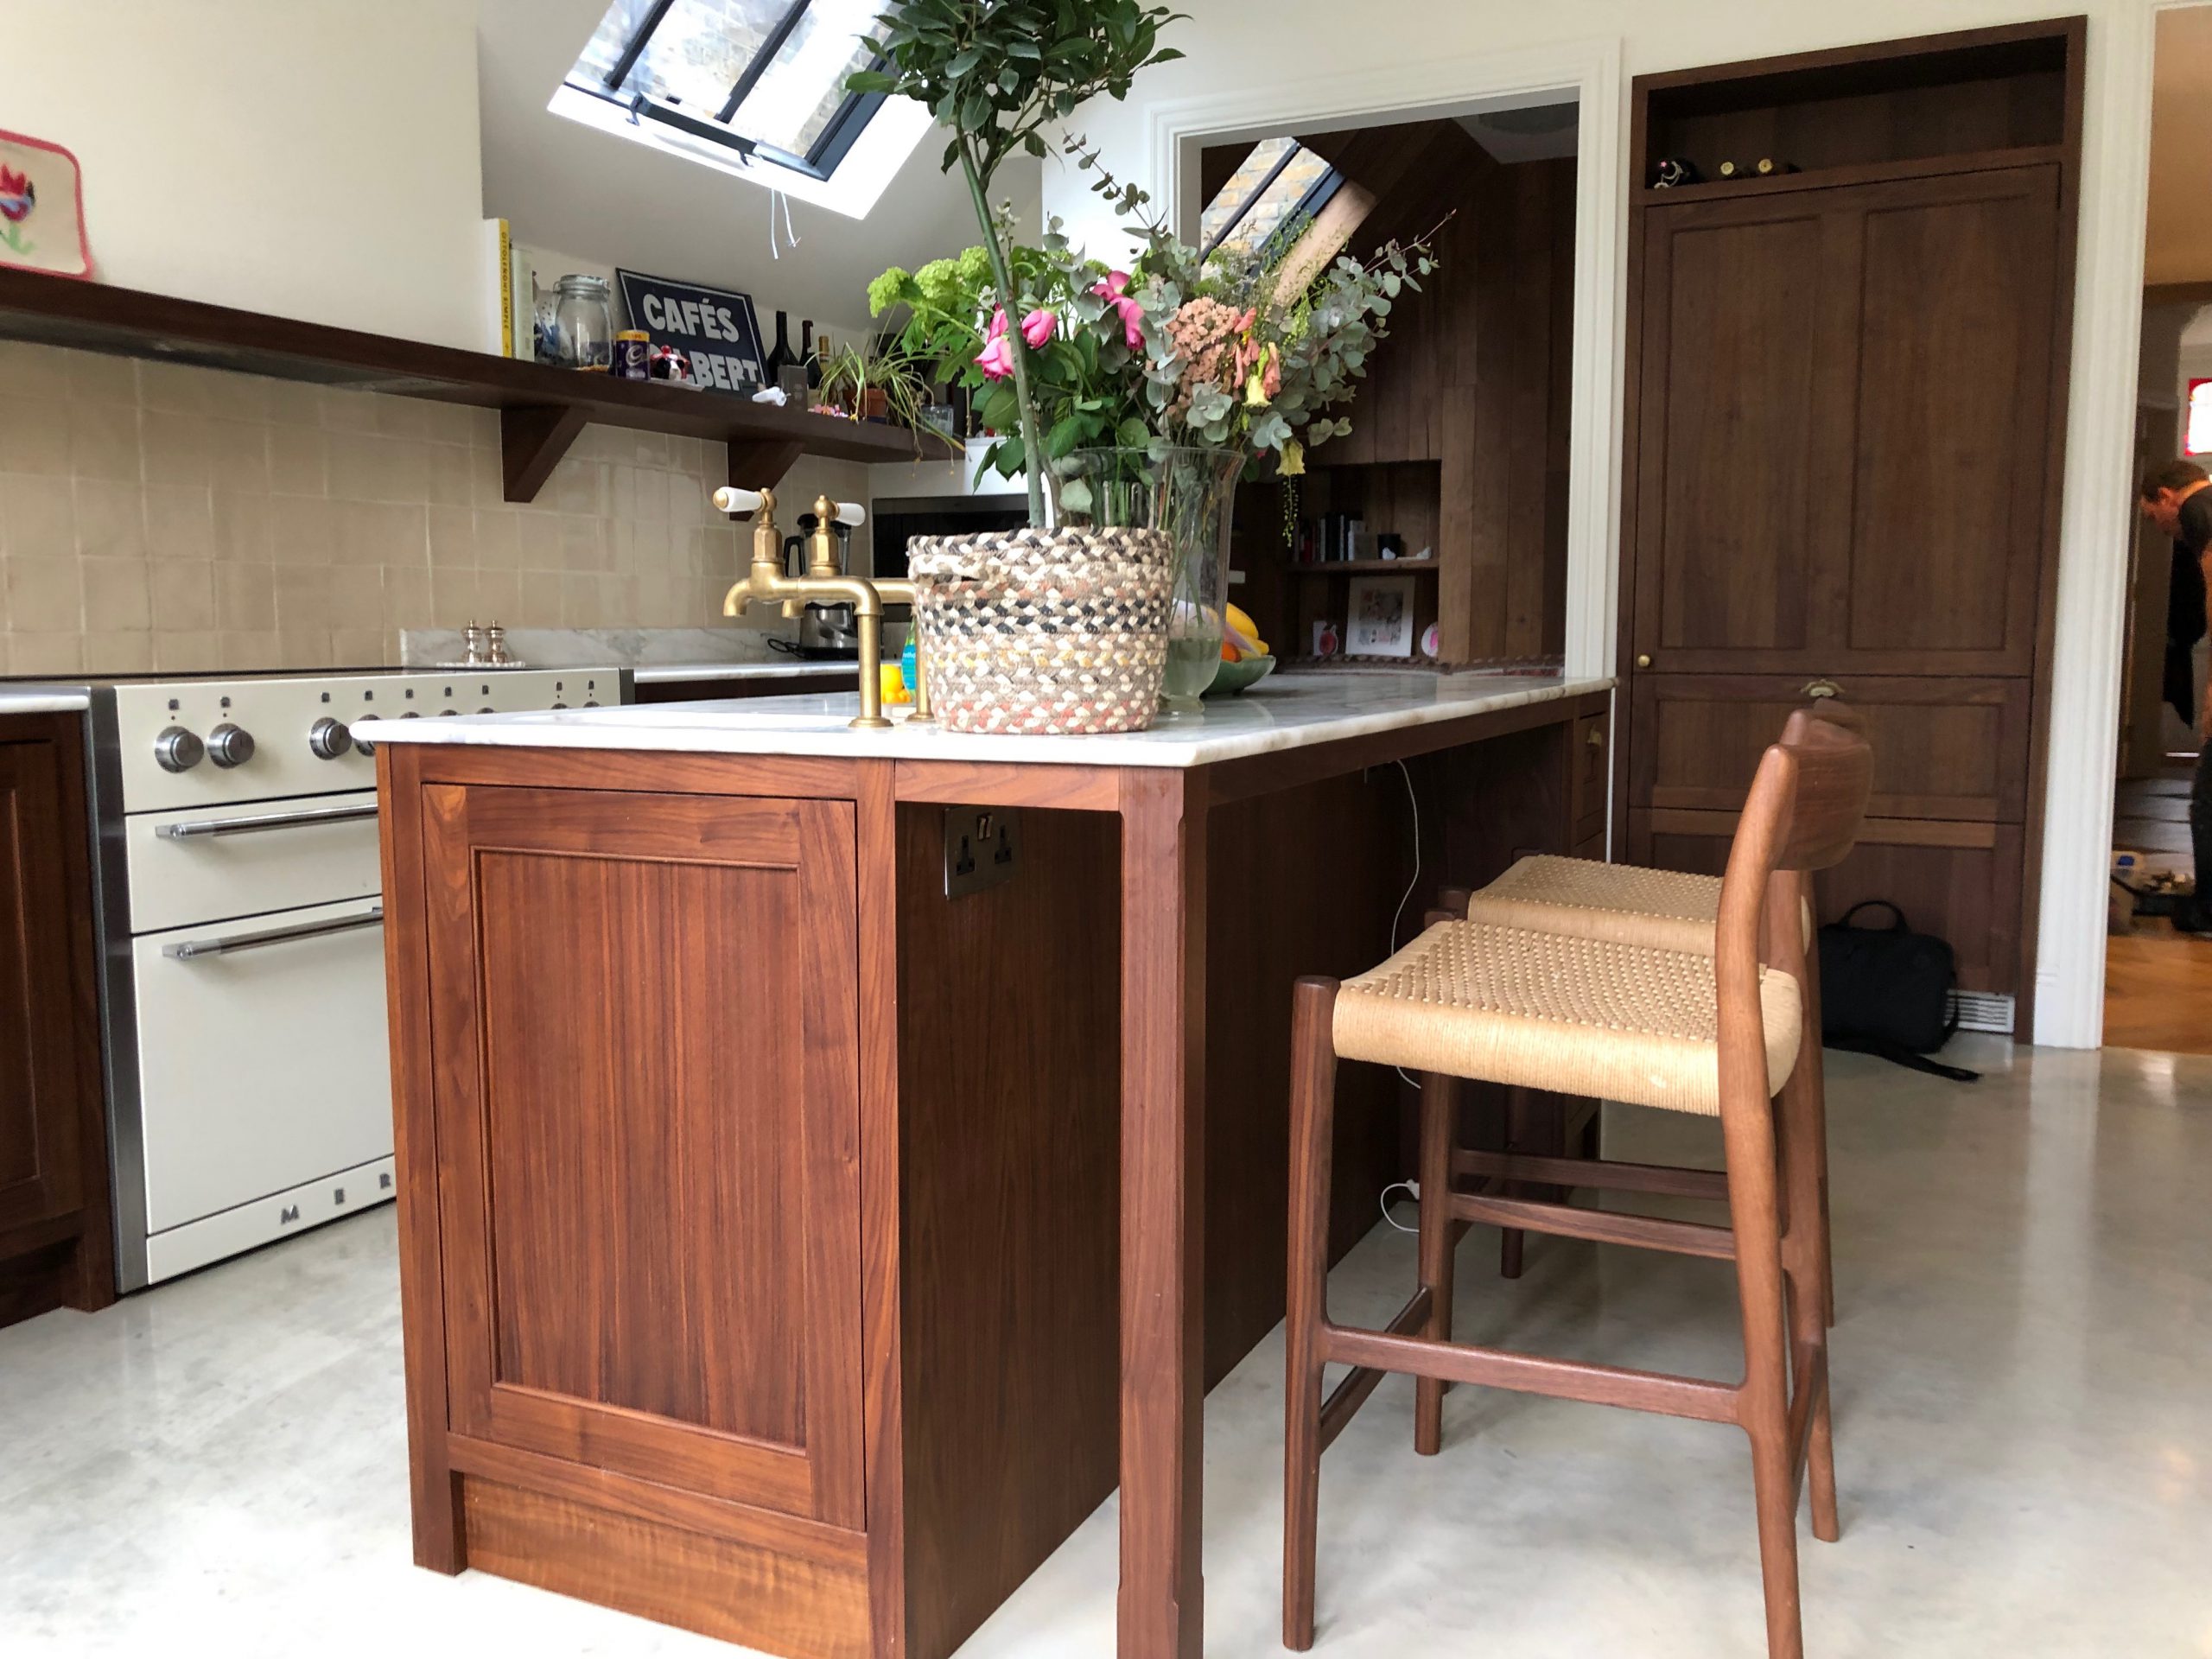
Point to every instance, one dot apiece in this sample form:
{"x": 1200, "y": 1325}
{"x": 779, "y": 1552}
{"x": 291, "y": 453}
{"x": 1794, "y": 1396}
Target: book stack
{"x": 1331, "y": 538}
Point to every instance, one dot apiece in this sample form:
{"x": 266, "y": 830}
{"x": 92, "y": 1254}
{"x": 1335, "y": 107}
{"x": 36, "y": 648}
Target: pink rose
{"x": 1037, "y": 328}
{"x": 998, "y": 324}
{"x": 1115, "y": 290}
{"x": 997, "y": 359}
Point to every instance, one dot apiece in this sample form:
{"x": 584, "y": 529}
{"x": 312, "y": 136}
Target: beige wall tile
{"x": 296, "y": 404}
{"x": 451, "y": 480}
{"x": 174, "y": 448}
{"x": 117, "y": 596}
{"x": 245, "y": 648}
{"x": 238, "y": 454}
{"x": 33, "y": 371}
{"x": 119, "y": 653}
{"x": 246, "y": 597}
{"x": 306, "y": 648}
{"x": 96, "y": 378}
{"x": 184, "y": 594}
{"x": 182, "y": 653}
{"x": 407, "y": 597}
{"x": 38, "y": 518}
{"x": 299, "y": 459}
{"x": 303, "y": 530}
{"x": 399, "y": 417}
{"x": 579, "y": 600}
{"x": 245, "y": 527}
{"x": 366, "y": 466}
{"x": 180, "y": 522}
{"x": 498, "y": 594}
{"x": 103, "y": 441}
{"x": 349, "y": 411}
{"x": 499, "y": 539}
{"x": 584, "y": 543}
{"x": 34, "y": 437}
{"x": 448, "y": 423}
{"x": 375, "y": 533}
{"x": 452, "y": 536}
{"x": 45, "y": 653}
{"x": 362, "y": 647}
{"x": 454, "y": 596}
{"x": 111, "y": 520}
{"x": 43, "y": 596}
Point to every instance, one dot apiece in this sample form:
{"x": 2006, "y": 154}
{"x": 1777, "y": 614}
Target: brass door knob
{"x": 1596, "y": 737}
{"x": 1818, "y": 688}
{"x": 1643, "y": 662}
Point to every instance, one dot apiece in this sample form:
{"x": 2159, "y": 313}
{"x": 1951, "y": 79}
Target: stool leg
{"x": 1313, "y": 1110}
{"x": 1753, "y": 1204}
{"x": 1512, "y": 1243}
{"x": 1438, "y": 1110}
{"x": 1804, "y": 1257}
{"x": 1812, "y": 1054}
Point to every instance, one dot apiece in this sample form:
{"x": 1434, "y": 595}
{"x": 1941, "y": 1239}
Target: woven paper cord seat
{"x": 1581, "y": 1016}
{"x": 1667, "y": 910}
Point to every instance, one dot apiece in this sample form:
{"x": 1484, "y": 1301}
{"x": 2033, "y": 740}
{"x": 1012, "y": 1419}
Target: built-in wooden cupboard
{"x": 56, "y": 1243}
{"x": 1845, "y": 412}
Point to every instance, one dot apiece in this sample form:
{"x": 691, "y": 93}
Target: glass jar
{"x": 583, "y": 323}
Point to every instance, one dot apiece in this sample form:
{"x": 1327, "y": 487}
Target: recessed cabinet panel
{"x": 1943, "y": 748}
{"x": 648, "y": 1076}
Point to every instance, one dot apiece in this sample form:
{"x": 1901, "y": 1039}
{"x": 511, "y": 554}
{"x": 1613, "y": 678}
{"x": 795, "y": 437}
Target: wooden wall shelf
{"x": 541, "y": 409}
{"x": 1859, "y": 173}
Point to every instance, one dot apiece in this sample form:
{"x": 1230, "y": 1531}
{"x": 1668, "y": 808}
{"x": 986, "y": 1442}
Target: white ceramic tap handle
{"x": 736, "y": 503}
{"x": 852, "y": 514}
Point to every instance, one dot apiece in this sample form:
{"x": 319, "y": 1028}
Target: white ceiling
{"x": 2178, "y": 245}
{"x": 601, "y": 198}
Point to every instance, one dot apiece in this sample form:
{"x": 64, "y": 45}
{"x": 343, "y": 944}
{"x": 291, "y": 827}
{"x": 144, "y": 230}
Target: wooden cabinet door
{"x": 1733, "y": 436}
{"x": 1843, "y": 440}
{"x": 644, "y": 1035}
{"x": 1952, "y": 749}
{"x": 1932, "y": 509}
{"x": 41, "y": 1101}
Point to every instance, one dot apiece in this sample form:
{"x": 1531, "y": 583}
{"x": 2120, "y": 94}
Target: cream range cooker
{"x": 242, "y": 963}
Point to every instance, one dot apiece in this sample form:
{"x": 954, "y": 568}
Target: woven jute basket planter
{"x": 1044, "y": 632}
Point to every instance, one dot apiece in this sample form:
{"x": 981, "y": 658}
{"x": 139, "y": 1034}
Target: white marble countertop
{"x": 44, "y": 699}
{"x": 782, "y": 668}
{"x": 1287, "y": 711}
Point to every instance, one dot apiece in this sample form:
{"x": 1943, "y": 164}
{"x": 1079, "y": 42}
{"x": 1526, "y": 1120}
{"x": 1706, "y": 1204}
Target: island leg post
{"x": 1161, "y": 1605}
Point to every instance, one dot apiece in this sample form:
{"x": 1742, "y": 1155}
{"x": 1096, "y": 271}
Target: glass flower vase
{"x": 1189, "y": 494}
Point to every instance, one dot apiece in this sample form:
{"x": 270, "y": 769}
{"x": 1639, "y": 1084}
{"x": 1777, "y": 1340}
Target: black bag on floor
{"x": 1887, "y": 991}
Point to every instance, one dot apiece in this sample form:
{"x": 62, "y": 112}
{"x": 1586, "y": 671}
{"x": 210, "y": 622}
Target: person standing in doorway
{"x": 2175, "y": 498}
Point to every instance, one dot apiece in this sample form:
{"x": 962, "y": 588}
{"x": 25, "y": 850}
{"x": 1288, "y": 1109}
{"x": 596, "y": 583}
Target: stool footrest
{"x": 1348, "y": 1396}
{"x": 1563, "y": 1379}
{"x": 1602, "y": 1226}
{"x": 1661, "y": 1179}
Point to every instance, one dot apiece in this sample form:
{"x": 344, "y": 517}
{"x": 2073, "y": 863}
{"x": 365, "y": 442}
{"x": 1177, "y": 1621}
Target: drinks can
{"x": 631, "y": 349}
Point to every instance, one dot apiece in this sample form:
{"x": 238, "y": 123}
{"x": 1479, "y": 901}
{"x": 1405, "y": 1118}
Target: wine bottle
{"x": 809, "y": 357}
{"x": 1733, "y": 170}
{"x": 779, "y": 355}
{"x": 1768, "y": 167}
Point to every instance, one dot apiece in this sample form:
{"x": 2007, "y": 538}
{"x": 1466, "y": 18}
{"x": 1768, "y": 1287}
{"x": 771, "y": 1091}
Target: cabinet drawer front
{"x": 1960, "y": 881}
{"x": 1943, "y": 748}
{"x": 646, "y": 1040}
{"x": 218, "y": 861}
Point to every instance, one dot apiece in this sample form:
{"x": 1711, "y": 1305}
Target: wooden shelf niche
{"x": 1459, "y": 432}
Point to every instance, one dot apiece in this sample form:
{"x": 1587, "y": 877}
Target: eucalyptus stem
{"x": 1017, "y": 347}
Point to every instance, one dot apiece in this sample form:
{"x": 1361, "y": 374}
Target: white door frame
{"x": 2081, "y": 742}
{"x": 1419, "y": 89}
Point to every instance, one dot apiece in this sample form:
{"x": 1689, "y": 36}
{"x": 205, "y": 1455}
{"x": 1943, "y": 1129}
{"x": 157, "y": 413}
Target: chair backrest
{"x": 1806, "y": 803}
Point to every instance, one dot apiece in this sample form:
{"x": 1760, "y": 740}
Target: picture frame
{"x": 42, "y": 208}
{"x": 1379, "y": 617}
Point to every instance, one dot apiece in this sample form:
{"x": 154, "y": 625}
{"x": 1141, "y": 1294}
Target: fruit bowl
{"x": 1239, "y": 676}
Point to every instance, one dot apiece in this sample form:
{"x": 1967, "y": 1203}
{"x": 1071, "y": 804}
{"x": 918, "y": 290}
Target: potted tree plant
{"x": 1054, "y": 628}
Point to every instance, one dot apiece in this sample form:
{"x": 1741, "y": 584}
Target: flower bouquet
{"x": 1132, "y": 400}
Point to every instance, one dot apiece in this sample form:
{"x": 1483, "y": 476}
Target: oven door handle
{"x": 192, "y": 950}
{"x": 257, "y": 822}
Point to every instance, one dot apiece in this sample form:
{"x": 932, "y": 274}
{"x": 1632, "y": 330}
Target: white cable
{"x": 1413, "y": 801}
{"x": 1387, "y": 1216}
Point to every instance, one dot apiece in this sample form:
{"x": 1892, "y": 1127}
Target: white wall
{"x": 313, "y": 158}
{"x": 1232, "y": 45}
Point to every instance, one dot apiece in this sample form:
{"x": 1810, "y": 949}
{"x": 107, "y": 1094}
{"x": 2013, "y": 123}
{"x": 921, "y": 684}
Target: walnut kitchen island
{"x": 795, "y": 1253}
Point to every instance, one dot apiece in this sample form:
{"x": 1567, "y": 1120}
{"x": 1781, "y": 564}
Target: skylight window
{"x": 765, "y": 78}
{"x": 1278, "y": 183}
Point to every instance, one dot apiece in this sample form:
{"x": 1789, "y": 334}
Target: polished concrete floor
{"x": 2024, "y": 1432}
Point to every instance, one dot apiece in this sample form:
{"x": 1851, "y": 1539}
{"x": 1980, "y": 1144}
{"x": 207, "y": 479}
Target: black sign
{"x": 717, "y": 330}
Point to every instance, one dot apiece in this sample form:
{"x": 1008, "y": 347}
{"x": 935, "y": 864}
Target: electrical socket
{"x": 981, "y": 845}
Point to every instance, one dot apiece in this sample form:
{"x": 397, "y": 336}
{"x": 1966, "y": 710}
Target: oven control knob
{"x": 361, "y": 744}
{"x": 178, "y": 750}
{"x": 230, "y": 746}
{"x": 328, "y": 739}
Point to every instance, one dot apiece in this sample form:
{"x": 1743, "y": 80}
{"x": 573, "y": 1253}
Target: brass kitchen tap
{"x": 765, "y": 583}
{"x": 825, "y": 556}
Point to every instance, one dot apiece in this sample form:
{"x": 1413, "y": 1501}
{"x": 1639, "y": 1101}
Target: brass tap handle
{"x": 1818, "y": 689}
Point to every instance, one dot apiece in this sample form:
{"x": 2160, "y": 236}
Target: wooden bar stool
{"x": 1669, "y": 910}
{"x": 1717, "y": 1035}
